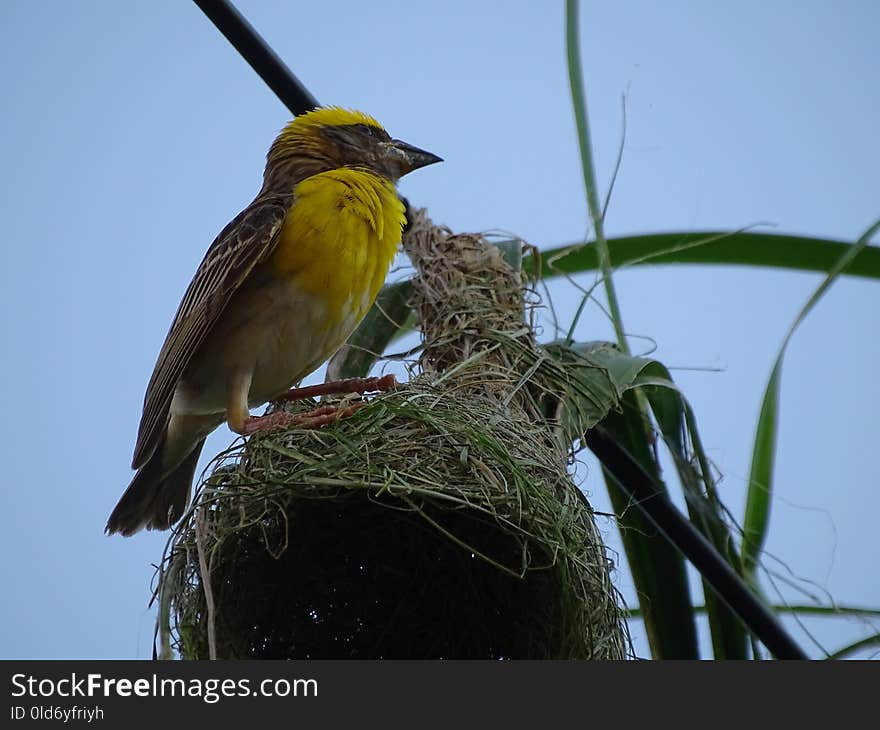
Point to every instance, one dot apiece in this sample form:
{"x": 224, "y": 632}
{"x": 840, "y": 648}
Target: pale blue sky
{"x": 132, "y": 132}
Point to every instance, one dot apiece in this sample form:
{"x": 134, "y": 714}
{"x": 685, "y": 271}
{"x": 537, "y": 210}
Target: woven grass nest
{"x": 438, "y": 521}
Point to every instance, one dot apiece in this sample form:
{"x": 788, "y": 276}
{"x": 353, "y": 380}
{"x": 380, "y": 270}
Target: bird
{"x": 278, "y": 292}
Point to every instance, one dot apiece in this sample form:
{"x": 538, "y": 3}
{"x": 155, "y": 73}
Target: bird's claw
{"x": 315, "y": 418}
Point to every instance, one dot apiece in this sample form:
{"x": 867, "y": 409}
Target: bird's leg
{"x": 315, "y": 418}
{"x": 339, "y": 387}
{"x": 238, "y": 414}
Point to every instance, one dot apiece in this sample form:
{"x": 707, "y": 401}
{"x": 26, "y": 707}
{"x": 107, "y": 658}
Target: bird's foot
{"x": 315, "y": 418}
{"x": 339, "y": 387}
{"x": 322, "y": 415}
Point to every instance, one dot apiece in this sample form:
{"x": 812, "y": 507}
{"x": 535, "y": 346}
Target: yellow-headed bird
{"x": 279, "y": 290}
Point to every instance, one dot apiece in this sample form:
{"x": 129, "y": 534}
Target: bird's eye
{"x": 368, "y": 130}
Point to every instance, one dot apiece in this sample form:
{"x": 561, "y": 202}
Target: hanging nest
{"x": 438, "y": 521}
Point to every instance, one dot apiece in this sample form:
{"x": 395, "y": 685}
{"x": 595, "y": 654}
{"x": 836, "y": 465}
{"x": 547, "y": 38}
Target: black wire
{"x": 257, "y": 53}
{"x": 641, "y": 488}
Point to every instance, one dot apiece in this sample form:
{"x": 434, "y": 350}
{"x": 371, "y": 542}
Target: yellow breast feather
{"x": 339, "y": 238}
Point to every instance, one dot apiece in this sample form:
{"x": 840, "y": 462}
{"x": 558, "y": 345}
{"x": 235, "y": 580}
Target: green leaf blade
{"x": 657, "y": 568}
{"x": 756, "y": 523}
{"x": 737, "y": 248}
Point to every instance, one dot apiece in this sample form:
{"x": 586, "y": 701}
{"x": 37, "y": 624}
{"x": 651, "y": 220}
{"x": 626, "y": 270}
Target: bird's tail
{"x": 155, "y": 500}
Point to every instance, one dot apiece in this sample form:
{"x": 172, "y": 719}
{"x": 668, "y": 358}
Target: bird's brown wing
{"x": 248, "y": 240}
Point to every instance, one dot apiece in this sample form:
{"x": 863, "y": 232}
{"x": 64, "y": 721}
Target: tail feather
{"x": 155, "y": 500}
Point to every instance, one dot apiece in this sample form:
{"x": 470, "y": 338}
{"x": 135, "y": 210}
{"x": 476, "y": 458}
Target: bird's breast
{"x": 338, "y": 240}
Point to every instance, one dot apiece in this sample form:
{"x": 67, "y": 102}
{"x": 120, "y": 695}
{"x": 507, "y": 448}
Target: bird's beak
{"x": 407, "y": 158}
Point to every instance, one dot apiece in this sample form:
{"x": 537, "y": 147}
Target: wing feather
{"x": 247, "y": 240}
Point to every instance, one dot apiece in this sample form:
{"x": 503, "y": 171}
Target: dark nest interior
{"x": 438, "y": 521}
{"x": 432, "y": 600}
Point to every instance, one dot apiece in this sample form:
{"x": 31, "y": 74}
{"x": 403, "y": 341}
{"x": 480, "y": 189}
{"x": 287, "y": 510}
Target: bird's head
{"x": 330, "y": 138}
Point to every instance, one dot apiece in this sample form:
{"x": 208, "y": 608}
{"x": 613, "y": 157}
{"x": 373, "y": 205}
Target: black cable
{"x": 641, "y": 488}
{"x": 257, "y": 53}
